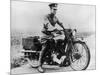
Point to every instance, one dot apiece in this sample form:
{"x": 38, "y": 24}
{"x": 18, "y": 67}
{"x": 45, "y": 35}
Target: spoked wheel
{"x": 80, "y": 56}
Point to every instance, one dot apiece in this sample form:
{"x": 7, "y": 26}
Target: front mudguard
{"x": 80, "y": 40}
{"x": 71, "y": 44}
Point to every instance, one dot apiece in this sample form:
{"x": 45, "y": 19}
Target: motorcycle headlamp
{"x": 74, "y": 32}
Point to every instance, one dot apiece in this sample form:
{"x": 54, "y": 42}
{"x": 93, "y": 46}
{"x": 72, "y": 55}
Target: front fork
{"x": 69, "y": 49}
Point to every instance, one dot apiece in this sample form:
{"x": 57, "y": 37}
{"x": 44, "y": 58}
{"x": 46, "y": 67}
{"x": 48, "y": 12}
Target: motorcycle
{"x": 69, "y": 51}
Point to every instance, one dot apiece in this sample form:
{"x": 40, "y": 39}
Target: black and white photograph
{"x": 49, "y": 37}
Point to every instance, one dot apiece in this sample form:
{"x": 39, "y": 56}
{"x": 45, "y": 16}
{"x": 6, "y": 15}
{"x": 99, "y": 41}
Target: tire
{"x": 86, "y": 49}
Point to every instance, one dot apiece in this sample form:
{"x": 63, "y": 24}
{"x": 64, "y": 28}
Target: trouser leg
{"x": 41, "y": 55}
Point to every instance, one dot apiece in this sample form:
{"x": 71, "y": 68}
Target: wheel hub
{"x": 77, "y": 56}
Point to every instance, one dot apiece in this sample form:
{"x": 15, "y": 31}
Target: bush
{"x": 17, "y": 62}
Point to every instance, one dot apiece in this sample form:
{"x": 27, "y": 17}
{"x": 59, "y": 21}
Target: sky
{"x": 28, "y": 16}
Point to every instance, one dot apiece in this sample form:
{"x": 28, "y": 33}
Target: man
{"x": 50, "y": 22}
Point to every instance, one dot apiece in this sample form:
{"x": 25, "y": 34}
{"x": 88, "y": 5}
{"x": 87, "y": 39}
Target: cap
{"x": 53, "y": 5}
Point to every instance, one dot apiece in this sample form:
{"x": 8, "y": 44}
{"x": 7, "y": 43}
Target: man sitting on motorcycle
{"x": 50, "y": 22}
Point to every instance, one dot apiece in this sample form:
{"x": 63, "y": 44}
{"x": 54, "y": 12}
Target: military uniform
{"x": 49, "y": 24}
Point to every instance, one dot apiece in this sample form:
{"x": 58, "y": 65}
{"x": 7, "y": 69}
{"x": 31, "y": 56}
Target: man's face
{"x": 54, "y": 10}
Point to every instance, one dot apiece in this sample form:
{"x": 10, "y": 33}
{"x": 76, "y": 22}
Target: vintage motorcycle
{"x": 69, "y": 51}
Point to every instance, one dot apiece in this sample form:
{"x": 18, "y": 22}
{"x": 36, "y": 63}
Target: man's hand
{"x": 55, "y": 30}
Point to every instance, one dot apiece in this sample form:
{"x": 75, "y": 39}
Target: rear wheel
{"x": 80, "y": 56}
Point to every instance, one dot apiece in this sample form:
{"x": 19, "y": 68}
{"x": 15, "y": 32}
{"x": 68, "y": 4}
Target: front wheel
{"x": 80, "y": 56}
